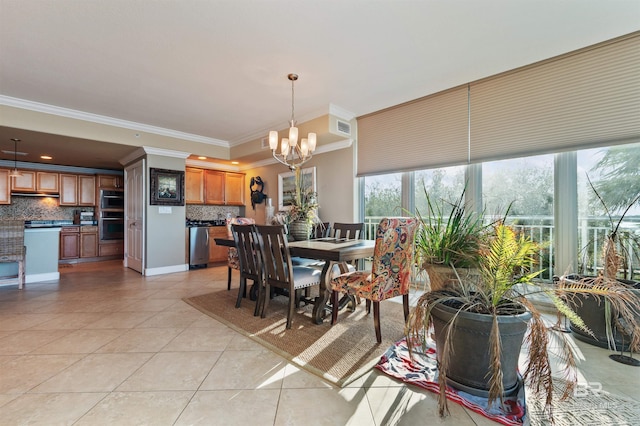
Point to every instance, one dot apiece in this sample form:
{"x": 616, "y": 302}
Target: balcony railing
{"x": 591, "y": 236}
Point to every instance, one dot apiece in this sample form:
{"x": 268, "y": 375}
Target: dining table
{"x": 332, "y": 251}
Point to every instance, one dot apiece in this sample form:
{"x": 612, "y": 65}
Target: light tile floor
{"x": 106, "y": 346}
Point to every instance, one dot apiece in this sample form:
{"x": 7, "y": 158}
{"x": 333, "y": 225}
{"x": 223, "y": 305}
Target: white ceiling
{"x": 217, "y": 69}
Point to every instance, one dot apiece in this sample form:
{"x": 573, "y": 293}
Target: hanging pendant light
{"x": 292, "y": 154}
{"x": 15, "y": 173}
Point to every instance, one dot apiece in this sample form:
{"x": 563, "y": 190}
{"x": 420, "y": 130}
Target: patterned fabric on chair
{"x": 390, "y": 273}
{"x": 232, "y": 254}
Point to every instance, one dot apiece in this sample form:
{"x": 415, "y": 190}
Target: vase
{"x": 300, "y": 230}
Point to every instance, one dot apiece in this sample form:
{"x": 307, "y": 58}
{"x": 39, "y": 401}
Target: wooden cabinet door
{"x": 86, "y": 190}
{"x": 194, "y": 186}
{"x": 68, "y": 190}
{"x": 109, "y": 182}
{"x": 217, "y": 253}
{"x": 89, "y": 242}
{"x": 26, "y": 182}
{"x": 214, "y": 187}
{"x": 234, "y": 189}
{"x": 69, "y": 243}
{"x": 5, "y": 187}
{"x": 47, "y": 182}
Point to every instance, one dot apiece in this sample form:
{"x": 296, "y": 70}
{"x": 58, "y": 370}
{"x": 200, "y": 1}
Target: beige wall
{"x": 165, "y": 233}
{"x": 335, "y": 173}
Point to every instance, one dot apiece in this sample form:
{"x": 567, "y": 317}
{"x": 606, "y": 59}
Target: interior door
{"x": 134, "y": 216}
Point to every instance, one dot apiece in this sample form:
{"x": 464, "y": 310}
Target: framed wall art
{"x": 167, "y": 187}
{"x": 286, "y": 186}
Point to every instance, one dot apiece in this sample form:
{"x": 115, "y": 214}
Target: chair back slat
{"x": 274, "y": 250}
{"x": 245, "y": 240}
{"x": 350, "y": 231}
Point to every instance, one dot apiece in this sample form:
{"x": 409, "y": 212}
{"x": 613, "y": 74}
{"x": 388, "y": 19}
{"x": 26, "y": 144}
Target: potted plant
{"x": 495, "y": 309}
{"x": 606, "y": 326}
{"x": 303, "y": 211}
{"x": 448, "y": 244}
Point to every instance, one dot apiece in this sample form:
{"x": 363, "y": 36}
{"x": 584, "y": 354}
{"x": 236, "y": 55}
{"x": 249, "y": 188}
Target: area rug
{"x": 421, "y": 370}
{"x": 339, "y": 354}
{"x": 587, "y": 407}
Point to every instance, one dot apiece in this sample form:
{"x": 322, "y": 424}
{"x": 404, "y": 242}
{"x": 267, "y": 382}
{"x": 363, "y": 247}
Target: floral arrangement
{"x": 304, "y": 202}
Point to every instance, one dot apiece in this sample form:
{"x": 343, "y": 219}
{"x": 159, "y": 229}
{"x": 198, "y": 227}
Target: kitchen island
{"x": 41, "y": 263}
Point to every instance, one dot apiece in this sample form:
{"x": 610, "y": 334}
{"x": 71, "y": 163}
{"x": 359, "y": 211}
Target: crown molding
{"x": 212, "y": 165}
{"x": 109, "y": 121}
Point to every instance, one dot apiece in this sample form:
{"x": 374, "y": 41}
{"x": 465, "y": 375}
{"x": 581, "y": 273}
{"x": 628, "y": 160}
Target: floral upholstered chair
{"x": 390, "y": 273}
{"x": 232, "y": 257}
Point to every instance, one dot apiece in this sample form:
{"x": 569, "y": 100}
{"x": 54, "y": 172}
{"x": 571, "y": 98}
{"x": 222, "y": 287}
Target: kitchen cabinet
{"x": 32, "y": 181}
{"x": 77, "y": 190}
{"x": 47, "y": 182}
{"x": 214, "y": 187}
{"x": 217, "y": 253}
{"x": 68, "y": 189}
{"x": 69, "y": 242}
{"x": 78, "y": 242}
{"x": 194, "y": 186}
{"x": 86, "y": 190}
{"x": 110, "y": 182}
{"x": 88, "y": 241}
{"x": 234, "y": 189}
{"x": 24, "y": 183}
{"x": 5, "y": 187}
{"x": 111, "y": 248}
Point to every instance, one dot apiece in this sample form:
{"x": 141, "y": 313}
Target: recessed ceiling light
{"x": 202, "y": 158}
{"x": 46, "y": 157}
{"x": 235, "y": 163}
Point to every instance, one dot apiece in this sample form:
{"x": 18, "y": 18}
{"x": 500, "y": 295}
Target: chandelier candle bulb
{"x": 273, "y": 140}
{"x": 293, "y": 136}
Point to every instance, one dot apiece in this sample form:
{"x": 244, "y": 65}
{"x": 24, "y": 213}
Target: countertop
{"x": 30, "y": 224}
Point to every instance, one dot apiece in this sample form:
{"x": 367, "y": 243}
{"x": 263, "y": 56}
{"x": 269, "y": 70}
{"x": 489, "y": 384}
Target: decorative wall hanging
{"x": 257, "y": 196}
{"x": 167, "y": 187}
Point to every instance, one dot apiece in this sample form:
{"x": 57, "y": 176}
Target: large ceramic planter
{"x": 440, "y": 275}
{"x": 300, "y": 230}
{"x": 593, "y": 312}
{"x": 469, "y": 360}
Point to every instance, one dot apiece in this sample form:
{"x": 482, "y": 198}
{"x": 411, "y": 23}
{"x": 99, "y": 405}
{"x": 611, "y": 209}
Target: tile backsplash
{"x": 201, "y": 212}
{"x": 38, "y": 208}
{"x": 48, "y": 208}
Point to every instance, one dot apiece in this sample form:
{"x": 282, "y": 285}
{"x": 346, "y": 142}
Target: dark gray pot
{"x": 470, "y": 359}
{"x": 592, "y": 311}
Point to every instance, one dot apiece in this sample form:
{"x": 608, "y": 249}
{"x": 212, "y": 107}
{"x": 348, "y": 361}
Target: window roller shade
{"x": 585, "y": 99}
{"x": 428, "y": 132}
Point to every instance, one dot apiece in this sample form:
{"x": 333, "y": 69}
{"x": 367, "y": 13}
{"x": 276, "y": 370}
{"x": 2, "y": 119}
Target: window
{"x": 608, "y": 177}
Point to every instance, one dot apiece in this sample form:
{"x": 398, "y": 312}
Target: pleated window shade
{"x": 583, "y": 99}
{"x": 428, "y": 132}
{"x": 590, "y": 98}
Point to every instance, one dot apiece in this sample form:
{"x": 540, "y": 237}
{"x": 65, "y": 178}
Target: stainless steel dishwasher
{"x": 198, "y": 246}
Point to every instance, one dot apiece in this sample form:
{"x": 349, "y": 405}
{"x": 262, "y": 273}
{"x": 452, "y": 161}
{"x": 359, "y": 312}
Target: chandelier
{"x": 292, "y": 154}
{"x": 15, "y": 173}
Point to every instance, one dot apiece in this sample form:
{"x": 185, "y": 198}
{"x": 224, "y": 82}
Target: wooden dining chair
{"x": 390, "y": 273}
{"x": 249, "y": 265}
{"x": 278, "y": 270}
{"x": 232, "y": 254}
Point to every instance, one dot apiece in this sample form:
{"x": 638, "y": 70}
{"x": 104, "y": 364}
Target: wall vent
{"x": 265, "y": 143}
{"x": 344, "y": 127}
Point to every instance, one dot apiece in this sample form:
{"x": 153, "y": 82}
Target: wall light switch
{"x": 164, "y": 210}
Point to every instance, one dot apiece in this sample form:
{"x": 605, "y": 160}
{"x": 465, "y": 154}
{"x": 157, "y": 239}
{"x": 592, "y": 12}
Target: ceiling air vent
{"x": 344, "y": 127}
{"x": 265, "y": 143}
